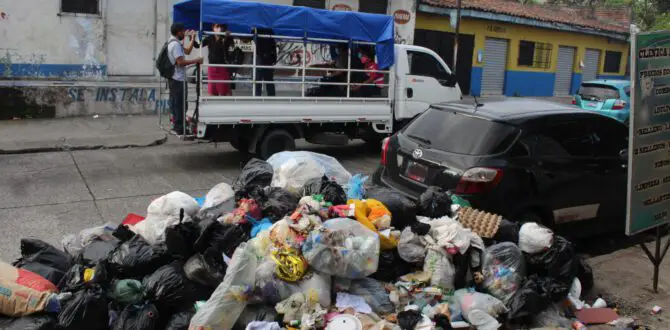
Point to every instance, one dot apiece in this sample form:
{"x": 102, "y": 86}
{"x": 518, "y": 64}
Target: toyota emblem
{"x": 417, "y": 153}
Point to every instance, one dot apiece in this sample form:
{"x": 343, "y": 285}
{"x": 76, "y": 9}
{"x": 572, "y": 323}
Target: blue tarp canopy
{"x": 242, "y": 17}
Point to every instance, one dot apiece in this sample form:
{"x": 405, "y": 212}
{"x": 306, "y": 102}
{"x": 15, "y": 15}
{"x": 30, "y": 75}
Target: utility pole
{"x": 458, "y": 27}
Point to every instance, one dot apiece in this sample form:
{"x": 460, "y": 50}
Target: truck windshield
{"x": 459, "y": 133}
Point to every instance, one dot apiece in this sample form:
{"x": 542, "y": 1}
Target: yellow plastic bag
{"x": 372, "y": 211}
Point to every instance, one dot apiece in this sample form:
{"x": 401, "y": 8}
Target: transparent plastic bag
{"x": 356, "y": 187}
{"x": 292, "y": 169}
{"x": 342, "y": 247}
{"x": 438, "y": 263}
{"x": 504, "y": 270}
{"x": 230, "y": 297}
{"x": 73, "y": 244}
{"x": 411, "y": 246}
{"x": 164, "y": 212}
{"x": 218, "y": 195}
{"x": 479, "y": 309}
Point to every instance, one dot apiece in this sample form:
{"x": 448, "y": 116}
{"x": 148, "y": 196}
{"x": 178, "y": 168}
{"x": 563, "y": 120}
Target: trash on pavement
{"x": 596, "y": 315}
{"x": 127, "y": 292}
{"x": 25, "y": 292}
{"x": 43, "y": 259}
{"x": 534, "y": 238}
{"x": 504, "y": 270}
{"x": 656, "y": 309}
{"x": 164, "y": 212}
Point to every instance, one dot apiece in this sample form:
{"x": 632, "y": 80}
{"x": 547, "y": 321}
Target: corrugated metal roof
{"x": 612, "y": 20}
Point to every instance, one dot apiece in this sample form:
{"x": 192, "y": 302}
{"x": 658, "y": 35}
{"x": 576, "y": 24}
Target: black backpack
{"x": 163, "y": 64}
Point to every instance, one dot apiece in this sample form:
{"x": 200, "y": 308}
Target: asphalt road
{"x": 48, "y": 195}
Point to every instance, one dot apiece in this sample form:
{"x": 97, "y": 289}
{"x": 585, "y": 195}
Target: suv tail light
{"x": 478, "y": 179}
{"x": 385, "y": 149}
{"x": 619, "y": 104}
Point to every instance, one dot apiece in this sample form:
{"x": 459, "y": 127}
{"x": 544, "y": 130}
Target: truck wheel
{"x": 275, "y": 141}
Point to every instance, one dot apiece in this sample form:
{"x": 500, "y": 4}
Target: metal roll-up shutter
{"x": 564, "y": 65}
{"x": 495, "y": 63}
{"x": 591, "y": 64}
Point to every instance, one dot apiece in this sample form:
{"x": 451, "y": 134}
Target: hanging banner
{"x": 649, "y": 151}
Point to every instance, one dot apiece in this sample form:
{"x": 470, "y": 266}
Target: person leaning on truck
{"x": 177, "y": 55}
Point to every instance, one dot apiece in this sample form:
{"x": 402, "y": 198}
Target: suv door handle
{"x": 410, "y": 93}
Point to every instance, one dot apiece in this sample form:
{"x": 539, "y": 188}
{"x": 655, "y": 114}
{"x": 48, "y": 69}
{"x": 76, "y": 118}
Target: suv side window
{"x": 611, "y": 136}
{"x": 424, "y": 64}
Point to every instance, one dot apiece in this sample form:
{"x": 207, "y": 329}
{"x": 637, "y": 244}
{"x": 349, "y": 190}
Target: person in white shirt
{"x": 177, "y": 54}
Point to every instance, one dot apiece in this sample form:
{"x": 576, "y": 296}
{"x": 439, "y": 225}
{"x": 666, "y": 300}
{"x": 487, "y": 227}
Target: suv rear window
{"x": 596, "y": 92}
{"x": 460, "y": 133}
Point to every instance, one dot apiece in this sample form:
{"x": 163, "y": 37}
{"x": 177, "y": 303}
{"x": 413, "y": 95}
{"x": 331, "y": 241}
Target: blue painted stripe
{"x": 576, "y": 82}
{"x": 51, "y": 70}
{"x": 524, "y": 83}
{"x": 476, "y": 81}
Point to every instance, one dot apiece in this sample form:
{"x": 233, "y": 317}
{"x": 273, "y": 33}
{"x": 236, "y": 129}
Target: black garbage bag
{"x": 442, "y": 322}
{"x": 138, "y": 317}
{"x": 278, "y": 203}
{"x": 30, "y": 322}
{"x": 207, "y": 269}
{"x": 407, "y": 320}
{"x": 123, "y": 233}
{"x": 534, "y": 296}
{"x": 508, "y": 231}
{"x": 168, "y": 288}
{"x": 255, "y": 173}
{"x": 403, "y": 210}
{"x": 86, "y": 309}
{"x": 391, "y": 266}
{"x": 332, "y": 192}
{"x": 97, "y": 250}
{"x": 224, "y": 238}
{"x": 73, "y": 280}
{"x": 585, "y": 275}
{"x": 136, "y": 258}
{"x": 180, "y": 239}
{"x": 559, "y": 262}
{"x": 434, "y": 203}
{"x": 43, "y": 259}
{"x": 180, "y": 321}
{"x": 255, "y": 313}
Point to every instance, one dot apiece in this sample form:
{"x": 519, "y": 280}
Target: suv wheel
{"x": 275, "y": 141}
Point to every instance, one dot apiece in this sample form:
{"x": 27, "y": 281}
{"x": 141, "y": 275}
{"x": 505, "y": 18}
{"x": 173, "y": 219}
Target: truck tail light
{"x": 478, "y": 180}
{"x": 385, "y": 149}
{"x": 619, "y": 105}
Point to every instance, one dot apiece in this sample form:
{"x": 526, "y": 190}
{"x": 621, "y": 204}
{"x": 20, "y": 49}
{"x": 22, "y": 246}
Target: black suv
{"x": 528, "y": 160}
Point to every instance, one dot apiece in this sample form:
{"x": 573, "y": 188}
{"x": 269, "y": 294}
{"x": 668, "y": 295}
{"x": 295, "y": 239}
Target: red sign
{"x": 342, "y": 7}
{"x": 402, "y": 16}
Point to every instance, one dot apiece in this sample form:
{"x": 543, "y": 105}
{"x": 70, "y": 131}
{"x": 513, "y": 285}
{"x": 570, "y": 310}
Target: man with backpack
{"x": 172, "y": 64}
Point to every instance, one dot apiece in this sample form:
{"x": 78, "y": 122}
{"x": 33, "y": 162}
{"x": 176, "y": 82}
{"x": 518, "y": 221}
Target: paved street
{"x": 48, "y": 195}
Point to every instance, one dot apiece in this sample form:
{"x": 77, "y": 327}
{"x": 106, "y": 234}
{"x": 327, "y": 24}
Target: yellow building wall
{"x": 482, "y": 29}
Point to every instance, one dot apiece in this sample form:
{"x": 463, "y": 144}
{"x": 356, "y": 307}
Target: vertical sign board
{"x": 649, "y": 151}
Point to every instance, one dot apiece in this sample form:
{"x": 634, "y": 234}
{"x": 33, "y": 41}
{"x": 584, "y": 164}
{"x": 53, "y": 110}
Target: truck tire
{"x": 274, "y": 141}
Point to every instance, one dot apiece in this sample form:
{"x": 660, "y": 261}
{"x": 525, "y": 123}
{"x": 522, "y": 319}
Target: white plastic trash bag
{"x": 534, "y": 238}
{"x": 479, "y": 309}
{"x": 218, "y": 195}
{"x": 294, "y": 168}
{"x": 438, "y": 263}
{"x": 342, "y": 247}
{"x": 411, "y": 246}
{"x": 229, "y": 299}
{"x": 162, "y": 213}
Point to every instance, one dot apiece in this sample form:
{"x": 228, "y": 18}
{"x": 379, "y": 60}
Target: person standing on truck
{"x": 367, "y": 56}
{"x": 219, "y": 46}
{"x": 177, "y": 54}
{"x": 266, "y": 51}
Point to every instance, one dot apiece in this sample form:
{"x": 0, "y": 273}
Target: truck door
{"x": 429, "y": 81}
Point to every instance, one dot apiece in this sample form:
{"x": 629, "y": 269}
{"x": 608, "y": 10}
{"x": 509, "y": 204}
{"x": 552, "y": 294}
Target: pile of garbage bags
{"x": 296, "y": 242}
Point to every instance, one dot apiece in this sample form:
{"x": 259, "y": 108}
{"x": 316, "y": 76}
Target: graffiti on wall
{"x": 30, "y": 65}
{"x": 118, "y": 96}
{"x": 290, "y": 54}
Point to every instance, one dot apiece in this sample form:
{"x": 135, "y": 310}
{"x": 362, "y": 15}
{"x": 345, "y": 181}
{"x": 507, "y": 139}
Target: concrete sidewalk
{"x": 103, "y": 132}
{"x": 625, "y": 278}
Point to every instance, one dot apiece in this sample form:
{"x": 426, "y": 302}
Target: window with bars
{"x": 612, "y": 62}
{"x": 535, "y": 54}
{"x": 373, "y": 6}
{"x": 320, "y": 4}
{"x": 80, "y": 6}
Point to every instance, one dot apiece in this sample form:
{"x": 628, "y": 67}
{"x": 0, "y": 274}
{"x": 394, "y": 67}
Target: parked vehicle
{"x": 414, "y": 77}
{"x": 608, "y": 97}
{"x": 528, "y": 160}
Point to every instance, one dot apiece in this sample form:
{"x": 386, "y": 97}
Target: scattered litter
{"x": 656, "y": 309}
{"x": 299, "y": 243}
{"x": 96, "y": 116}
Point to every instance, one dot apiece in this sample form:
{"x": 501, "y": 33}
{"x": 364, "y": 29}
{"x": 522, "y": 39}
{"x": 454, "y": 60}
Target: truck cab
{"x": 414, "y": 78}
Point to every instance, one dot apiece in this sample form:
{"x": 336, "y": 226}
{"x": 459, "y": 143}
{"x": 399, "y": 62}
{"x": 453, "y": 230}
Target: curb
{"x": 66, "y": 147}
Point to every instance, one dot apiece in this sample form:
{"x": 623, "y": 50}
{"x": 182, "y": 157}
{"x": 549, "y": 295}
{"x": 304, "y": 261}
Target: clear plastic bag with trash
{"x": 504, "y": 270}
{"x": 293, "y": 169}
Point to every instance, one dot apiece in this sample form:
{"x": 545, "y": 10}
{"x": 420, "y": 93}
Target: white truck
{"x": 264, "y": 125}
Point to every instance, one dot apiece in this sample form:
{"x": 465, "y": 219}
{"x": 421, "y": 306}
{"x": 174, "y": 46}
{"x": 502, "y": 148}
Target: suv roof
{"x": 511, "y": 110}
